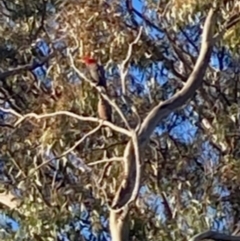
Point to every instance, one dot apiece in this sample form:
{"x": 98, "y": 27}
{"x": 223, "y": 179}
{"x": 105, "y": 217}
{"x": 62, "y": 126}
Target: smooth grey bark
{"x": 118, "y": 218}
{"x": 214, "y": 236}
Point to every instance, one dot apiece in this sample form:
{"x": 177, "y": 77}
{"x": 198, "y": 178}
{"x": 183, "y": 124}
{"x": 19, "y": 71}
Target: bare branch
{"x": 27, "y": 67}
{"x": 138, "y": 167}
{"x": 140, "y": 15}
{"x": 214, "y": 236}
{"x": 79, "y": 142}
{"x": 6, "y": 125}
{"x": 43, "y": 18}
{"x": 193, "y": 82}
{"x": 123, "y": 67}
{"x": 169, "y": 213}
{"x": 68, "y": 150}
{"x": 67, "y": 113}
{"x": 133, "y": 152}
{"x": 8, "y": 200}
{"x": 112, "y": 103}
{"x": 104, "y": 172}
{"x": 113, "y": 159}
{"x": 123, "y": 74}
{"x": 125, "y": 191}
{"x": 166, "y": 9}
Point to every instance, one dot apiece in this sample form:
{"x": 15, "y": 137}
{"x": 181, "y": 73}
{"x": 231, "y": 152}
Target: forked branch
{"x": 168, "y": 106}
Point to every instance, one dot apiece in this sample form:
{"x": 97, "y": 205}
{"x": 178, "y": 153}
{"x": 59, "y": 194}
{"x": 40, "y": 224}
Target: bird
{"x": 104, "y": 109}
{"x": 96, "y": 71}
{"x": 97, "y": 74}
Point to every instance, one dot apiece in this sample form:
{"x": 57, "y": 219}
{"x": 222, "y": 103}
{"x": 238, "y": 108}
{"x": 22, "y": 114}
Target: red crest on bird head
{"x": 89, "y": 60}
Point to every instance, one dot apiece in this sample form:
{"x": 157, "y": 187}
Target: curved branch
{"x": 165, "y": 108}
{"x": 124, "y": 193}
{"x": 214, "y": 236}
{"x": 132, "y": 153}
{"x": 21, "y": 118}
{"x": 193, "y": 83}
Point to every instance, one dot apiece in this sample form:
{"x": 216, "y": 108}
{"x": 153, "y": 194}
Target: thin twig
{"x": 28, "y": 67}
{"x": 69, "y": 150}
{"x": 78, "y": 142}
{"x": 119, "y": 159}
{"x": 167, "y": 7}
{"x": 105, "y": 170}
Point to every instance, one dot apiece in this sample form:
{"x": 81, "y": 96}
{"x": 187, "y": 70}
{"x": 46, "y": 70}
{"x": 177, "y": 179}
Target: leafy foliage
{"x": 190, "y": 179}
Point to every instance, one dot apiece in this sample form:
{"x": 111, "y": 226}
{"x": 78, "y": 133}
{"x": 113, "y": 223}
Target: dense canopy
{"x": 170, "y": 168}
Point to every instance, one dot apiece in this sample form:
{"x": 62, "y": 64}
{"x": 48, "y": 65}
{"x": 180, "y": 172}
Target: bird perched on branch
{"x": 97, "y": 75}
{"x": 105, "y": 113}
{"x": 104, "y": 109}
{"x": 96, "y": 71}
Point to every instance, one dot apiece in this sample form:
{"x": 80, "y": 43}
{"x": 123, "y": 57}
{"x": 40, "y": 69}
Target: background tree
{"x": 165, "y": 173}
